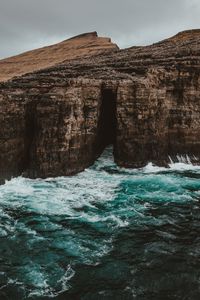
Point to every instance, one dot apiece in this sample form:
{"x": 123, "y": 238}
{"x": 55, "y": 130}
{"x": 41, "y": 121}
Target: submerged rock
{"x": 61, "y": 105}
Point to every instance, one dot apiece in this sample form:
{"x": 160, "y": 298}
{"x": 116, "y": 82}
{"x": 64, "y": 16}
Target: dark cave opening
{"x": 107, "y": 120}
{"x": 30, "y": 131}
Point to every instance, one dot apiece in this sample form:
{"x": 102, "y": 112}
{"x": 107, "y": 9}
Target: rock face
{"x": 57, "y": 118}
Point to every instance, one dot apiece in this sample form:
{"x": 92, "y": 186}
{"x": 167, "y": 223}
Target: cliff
{"x": 58, "y": 114}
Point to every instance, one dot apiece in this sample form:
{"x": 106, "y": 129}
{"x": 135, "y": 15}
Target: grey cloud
{"x": 27, "y": 24}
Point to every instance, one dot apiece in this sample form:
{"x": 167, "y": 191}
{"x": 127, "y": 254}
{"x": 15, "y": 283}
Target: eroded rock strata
{"x": 144, "y": 100}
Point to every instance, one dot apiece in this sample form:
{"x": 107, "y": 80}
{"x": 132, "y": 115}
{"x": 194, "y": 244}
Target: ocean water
{"x": 106, "y": 233}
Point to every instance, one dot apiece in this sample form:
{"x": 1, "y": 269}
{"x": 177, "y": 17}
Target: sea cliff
{"x": 61, "y": 105}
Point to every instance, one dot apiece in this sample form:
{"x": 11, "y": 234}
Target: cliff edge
{"x": 83, "y": 45}
{"x": 61, "y": 105}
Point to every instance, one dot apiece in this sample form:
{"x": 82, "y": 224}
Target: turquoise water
{"x": 107, "y": 233}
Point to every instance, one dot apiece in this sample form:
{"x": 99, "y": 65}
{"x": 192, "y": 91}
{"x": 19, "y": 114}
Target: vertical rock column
{"x": 66, "y": 122}
{"x": 158, "y": 117}
{"x": 49, "y": 131}
{"x": 12, "y": 129}
{"x": 140, "y": 131}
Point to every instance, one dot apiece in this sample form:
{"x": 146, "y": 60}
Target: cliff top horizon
{"x": 76, "y": 47}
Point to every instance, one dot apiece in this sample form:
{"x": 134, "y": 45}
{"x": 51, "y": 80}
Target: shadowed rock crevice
{"x": 107, "y": 122}
{"x": 29, "y": 138}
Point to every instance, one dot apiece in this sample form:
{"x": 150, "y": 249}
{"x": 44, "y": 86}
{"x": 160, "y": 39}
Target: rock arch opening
{"x": 107, "y": 123}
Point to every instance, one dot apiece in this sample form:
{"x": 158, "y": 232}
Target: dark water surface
{"x": 107, "y": 233}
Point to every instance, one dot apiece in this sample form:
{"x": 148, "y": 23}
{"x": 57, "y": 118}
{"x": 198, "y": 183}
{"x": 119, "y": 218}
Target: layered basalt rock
{"x": 144, "y": 100}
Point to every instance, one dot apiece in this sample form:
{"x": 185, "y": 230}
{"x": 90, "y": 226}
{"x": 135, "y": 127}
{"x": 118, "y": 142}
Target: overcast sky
{"x": 28, "y": 24}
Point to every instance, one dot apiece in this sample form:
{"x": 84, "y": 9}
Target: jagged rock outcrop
{"x": 56, "y": 119}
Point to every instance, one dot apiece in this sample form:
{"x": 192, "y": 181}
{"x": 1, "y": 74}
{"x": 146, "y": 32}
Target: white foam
{"x": 180, "y": 166}
{"x": 88, "y": 198}
{"x": 151, "y": 168}
{"x": 69, "y": 274}
{"x": 3, "y": 233}
{"x": 183, "y": 164}
{"x": 40, "y": 281}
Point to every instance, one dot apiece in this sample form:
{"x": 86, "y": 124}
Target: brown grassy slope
{"x": 80, "y": 46}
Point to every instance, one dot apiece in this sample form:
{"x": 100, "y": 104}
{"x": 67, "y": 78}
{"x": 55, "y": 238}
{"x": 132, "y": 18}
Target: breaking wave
{"x": 107, "y": 232}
